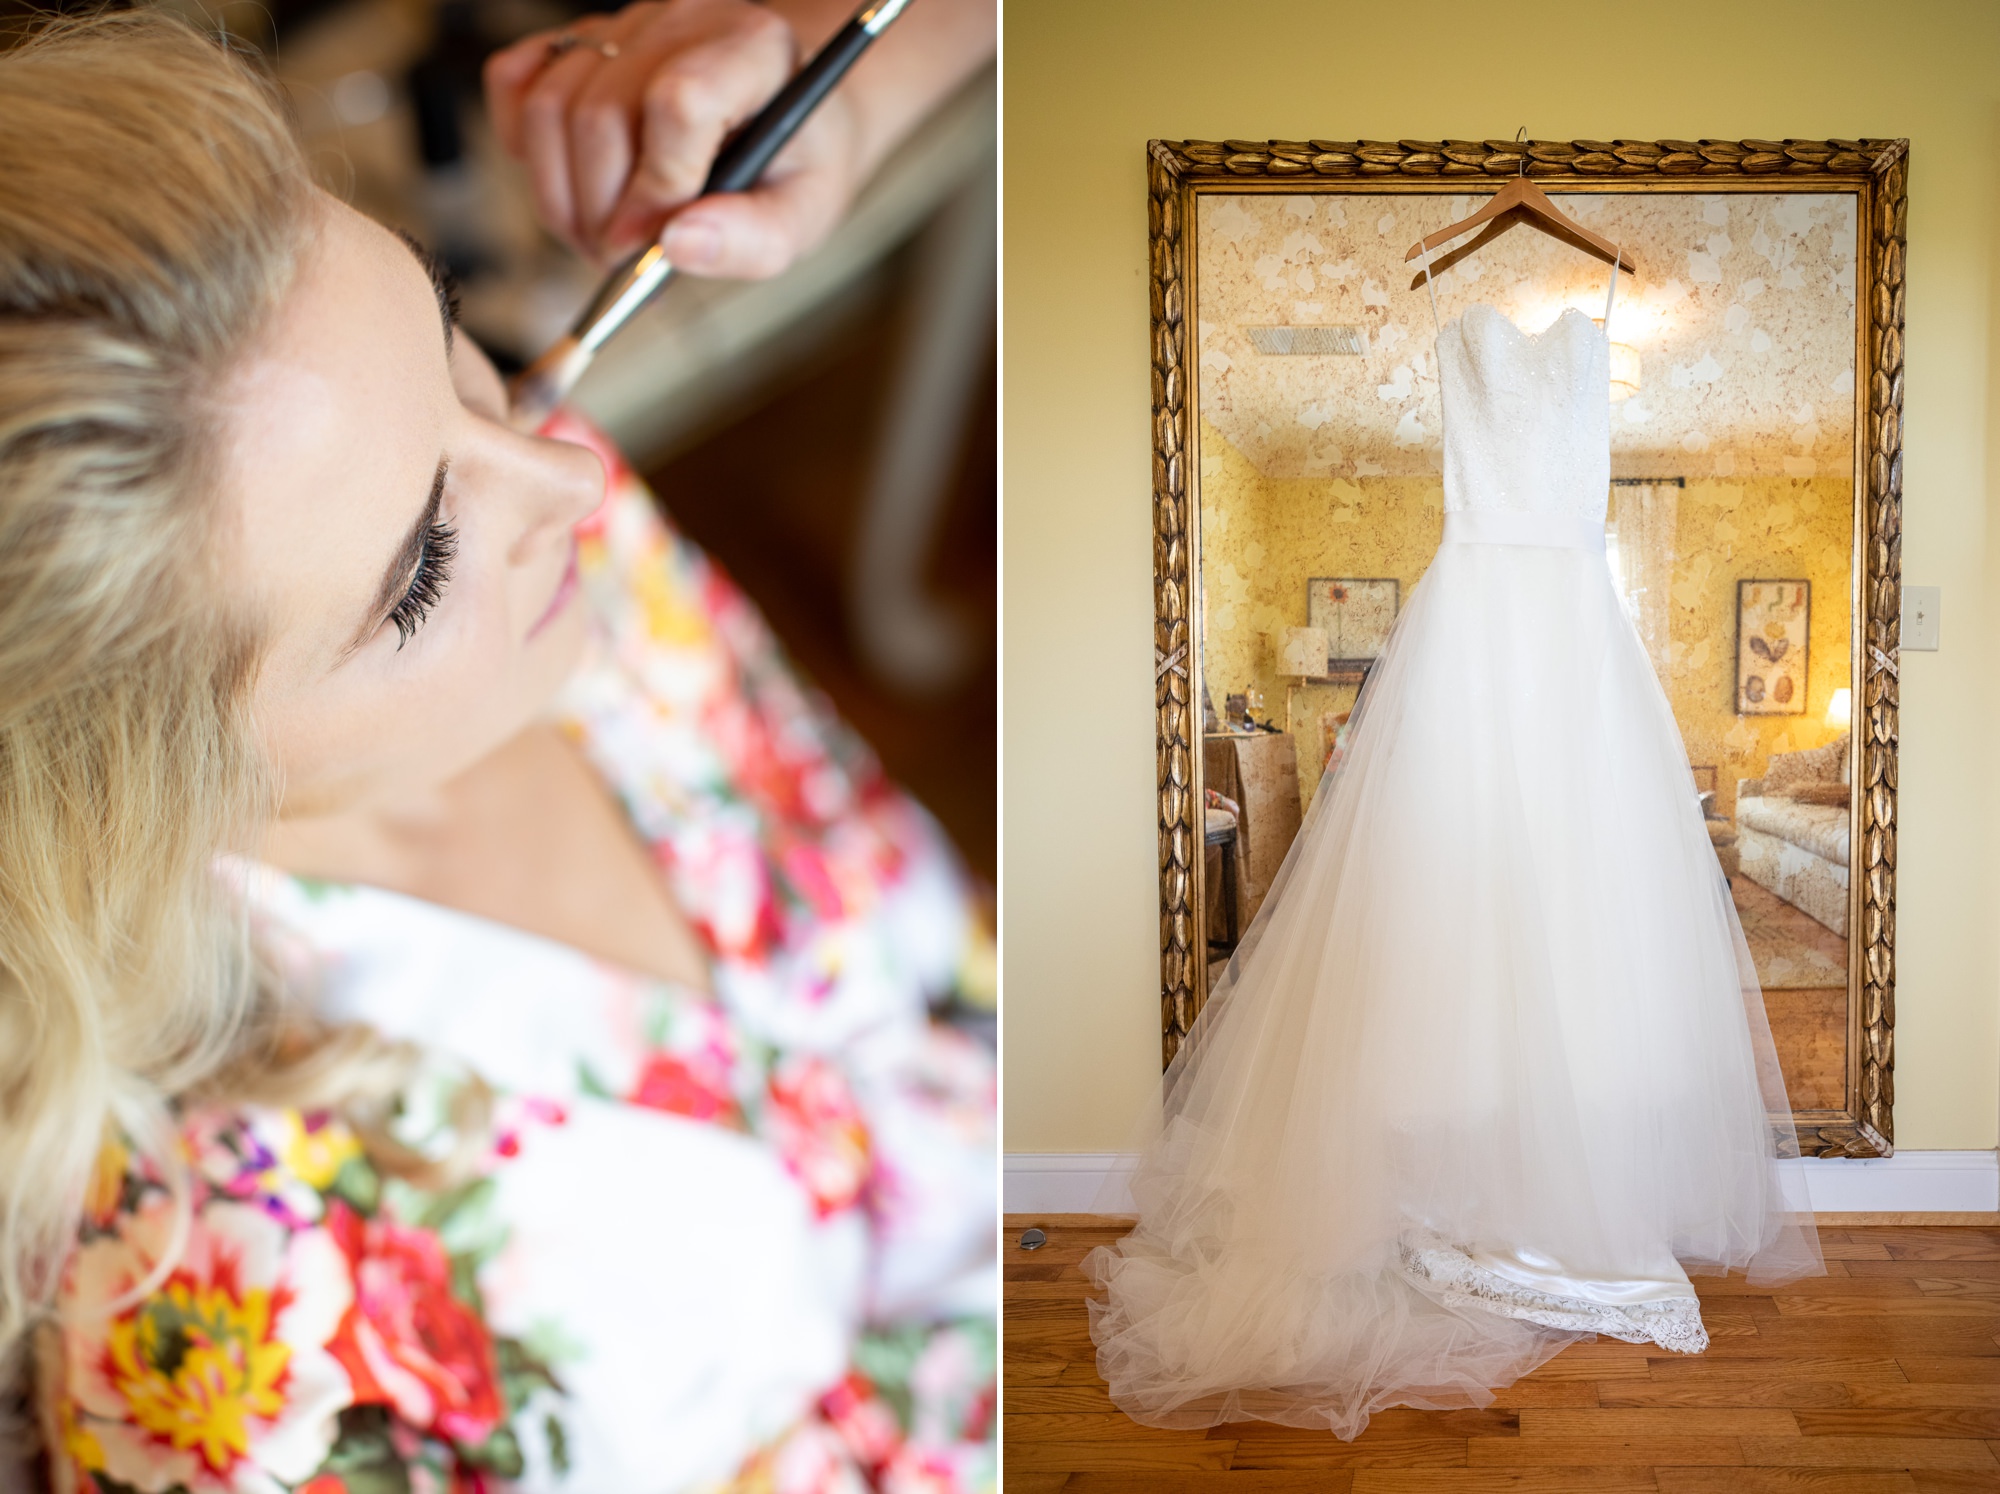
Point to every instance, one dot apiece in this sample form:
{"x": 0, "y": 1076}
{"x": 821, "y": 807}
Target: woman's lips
{"x": 565, "y": 590}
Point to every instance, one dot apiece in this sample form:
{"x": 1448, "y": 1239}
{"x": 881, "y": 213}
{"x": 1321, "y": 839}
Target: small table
{"x": 1219, "y": 829}
{"x": 1259, "y": 771}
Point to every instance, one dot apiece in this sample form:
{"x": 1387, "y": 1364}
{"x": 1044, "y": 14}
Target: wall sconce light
{"x": 1840, "y": 710}
{"x": 1624, "y": 368}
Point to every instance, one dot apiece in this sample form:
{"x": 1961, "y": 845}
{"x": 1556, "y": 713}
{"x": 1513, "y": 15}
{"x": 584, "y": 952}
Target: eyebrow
{"x": 402, "y": 564}
{"x": 443, "y": 282}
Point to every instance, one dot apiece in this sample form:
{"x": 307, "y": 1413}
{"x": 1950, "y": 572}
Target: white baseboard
{"x": 1907, "y": 1183}
{"x": 1061, "y": 1182}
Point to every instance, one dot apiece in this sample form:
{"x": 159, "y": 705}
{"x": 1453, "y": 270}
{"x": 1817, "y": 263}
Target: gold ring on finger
{"x": 569, "y": 41}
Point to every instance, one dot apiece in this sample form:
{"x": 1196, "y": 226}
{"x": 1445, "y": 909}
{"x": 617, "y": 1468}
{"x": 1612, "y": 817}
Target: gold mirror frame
{"x": 1877, "y": 171}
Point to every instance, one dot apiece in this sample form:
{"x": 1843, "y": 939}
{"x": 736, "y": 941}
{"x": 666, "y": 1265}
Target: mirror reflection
{"x": 1731, "y": 522}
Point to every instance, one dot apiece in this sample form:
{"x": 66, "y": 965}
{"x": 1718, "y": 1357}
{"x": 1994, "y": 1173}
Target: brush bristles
{"x": 545, "y": 383}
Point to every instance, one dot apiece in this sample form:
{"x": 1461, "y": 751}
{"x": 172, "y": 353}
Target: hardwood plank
{"x": 1923, "y": 1305}
{"x": 1504, "y": 1481}
{"x": 1941, "y": 1244}
{"x": 1924, "y": 1368}
{"x": 1066, "y": 1334}
{"x": 1269, "y": 1447}
{"x": 1018, "y": 1368}
{"x": 1915, "y": 1335}
{"x": 1943, "y": 1393}
{"x": 1852, "y": 1369}
{"x": 1742, "y": 1322}
{"x": 1951, "y": 1481}
{"x": 1731, "y": 1289}
{"x": 1085, "y": 1426}
{"x": 1537, "y": 1392}
{"x": 1659, "y": 1421}
{"x": 1606, "y": 1359}
{"x": 1034, "y": 1483}
{"x": 1081, "y": 1372}
{"x": 1879, "y": 1421}
{"x": 1857, "y": 1250}
{"x": 1953, "y": 1286}
{"x": 1236, "y": 1481}
{"x": 1803, "y": 1394}
{"x": 1036, "y": 1270}
{"x": 1743, "y": 1391}
{"x": 1191, "y": 1455}
{"x": 1870, "y": 1452}
{"x": 1616, "y": 1452}
{"x": 1957, "y": 1270}
{"x": 1395, "y": 1422}
{"x": 1044, "y": 1400}
{"x": 1066, "y": 1290}
{"x": 1784, "y": 1481}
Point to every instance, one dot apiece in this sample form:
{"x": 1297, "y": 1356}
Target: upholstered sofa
{"x": 1793, "y": 830}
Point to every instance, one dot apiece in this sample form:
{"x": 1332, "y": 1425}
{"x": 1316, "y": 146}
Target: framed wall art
{"x": 1773, "y": 640}
{"x": 1357, "y": 613}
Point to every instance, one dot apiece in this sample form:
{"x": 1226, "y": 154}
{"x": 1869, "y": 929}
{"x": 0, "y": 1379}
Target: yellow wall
{"x": 1263, "y": 538}
{"x": 1770, "y": 528}
{"x": 1086, "y": 84}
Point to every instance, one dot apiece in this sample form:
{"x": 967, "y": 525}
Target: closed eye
{"x": 427, "y": 585}
{"x": 430, "y": 569}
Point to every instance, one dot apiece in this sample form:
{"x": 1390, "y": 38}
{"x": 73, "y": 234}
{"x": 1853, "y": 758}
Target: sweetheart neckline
{"x": 1514, "y": 327}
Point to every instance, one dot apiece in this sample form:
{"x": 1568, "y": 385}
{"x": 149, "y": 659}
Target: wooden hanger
{"x": 1534, "y": 208}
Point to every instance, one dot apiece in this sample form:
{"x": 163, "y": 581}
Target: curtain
{"x": 1640, "y": 547}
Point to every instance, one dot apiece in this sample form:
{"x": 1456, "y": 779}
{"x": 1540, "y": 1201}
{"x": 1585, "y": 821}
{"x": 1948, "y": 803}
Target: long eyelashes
{"x": 428, "y": 582}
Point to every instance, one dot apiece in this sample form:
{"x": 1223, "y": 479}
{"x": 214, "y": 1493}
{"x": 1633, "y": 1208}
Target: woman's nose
{"x": 565, "y": 485}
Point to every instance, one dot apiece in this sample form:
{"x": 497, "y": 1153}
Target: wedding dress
{"x": 1491, "y": 1068}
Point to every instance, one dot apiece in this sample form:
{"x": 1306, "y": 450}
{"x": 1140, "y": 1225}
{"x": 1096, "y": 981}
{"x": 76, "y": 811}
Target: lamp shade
{"x": 1624, "y": 368}
{"x": 1840, "y": 710}
{"x": 1302, "y": 651}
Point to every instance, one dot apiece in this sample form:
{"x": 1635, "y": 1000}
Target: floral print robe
{"x": 733, "y": 1241}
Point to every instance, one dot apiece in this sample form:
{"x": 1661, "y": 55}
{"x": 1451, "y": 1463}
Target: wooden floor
{"x": 1884, "y": 1375}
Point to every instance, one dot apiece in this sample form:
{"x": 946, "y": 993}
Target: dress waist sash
{"x": 1500, "y": 526}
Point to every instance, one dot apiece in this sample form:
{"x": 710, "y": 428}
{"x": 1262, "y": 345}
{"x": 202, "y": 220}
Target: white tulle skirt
{"x": 1489, "y": 1072}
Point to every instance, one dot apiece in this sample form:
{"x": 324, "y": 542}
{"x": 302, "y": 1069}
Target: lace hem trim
{"x": 1444, "y": 1271}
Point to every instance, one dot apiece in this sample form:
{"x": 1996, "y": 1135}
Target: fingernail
{"x": 691, "y": 244}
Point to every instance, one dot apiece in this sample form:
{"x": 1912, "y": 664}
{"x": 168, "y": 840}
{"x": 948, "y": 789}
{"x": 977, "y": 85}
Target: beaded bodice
{"x": 1527, "y": 419}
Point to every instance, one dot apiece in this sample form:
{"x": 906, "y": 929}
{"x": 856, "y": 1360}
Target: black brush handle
{"x": 743, "y": 158}
{"x": 745, "y": 154}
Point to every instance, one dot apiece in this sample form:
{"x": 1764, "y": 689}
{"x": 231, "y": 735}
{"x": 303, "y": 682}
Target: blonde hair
{"x": 153, "y": 210}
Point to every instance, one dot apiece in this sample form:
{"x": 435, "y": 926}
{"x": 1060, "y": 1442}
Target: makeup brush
{"x": 542, "y": 385}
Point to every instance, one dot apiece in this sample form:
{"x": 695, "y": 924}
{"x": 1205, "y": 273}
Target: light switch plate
{"x": 1920, "y": 617}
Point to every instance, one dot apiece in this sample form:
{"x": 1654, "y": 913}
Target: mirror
{"x": 1752, "y": 525}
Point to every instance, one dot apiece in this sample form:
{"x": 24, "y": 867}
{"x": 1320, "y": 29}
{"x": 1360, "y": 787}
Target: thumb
{"x": 750, "y": 235}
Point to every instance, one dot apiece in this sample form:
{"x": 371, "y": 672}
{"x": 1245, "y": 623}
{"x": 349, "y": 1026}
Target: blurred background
{"x": 828, "y": 436}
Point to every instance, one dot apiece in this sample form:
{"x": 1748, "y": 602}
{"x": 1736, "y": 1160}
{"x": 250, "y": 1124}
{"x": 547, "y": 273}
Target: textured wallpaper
{"x": 1743, "y": 322}
{"x": 1264, "y": 537}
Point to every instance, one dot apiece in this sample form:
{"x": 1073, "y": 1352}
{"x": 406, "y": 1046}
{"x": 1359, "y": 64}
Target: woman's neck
{"x": 528, "y": 837}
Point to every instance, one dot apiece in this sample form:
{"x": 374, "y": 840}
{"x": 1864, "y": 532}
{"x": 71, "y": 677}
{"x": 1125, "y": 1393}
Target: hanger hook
{"x": 1521, "y": 161}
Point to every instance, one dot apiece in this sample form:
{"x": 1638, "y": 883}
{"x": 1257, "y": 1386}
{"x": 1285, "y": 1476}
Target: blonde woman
{"x": 464, "y": 1008}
